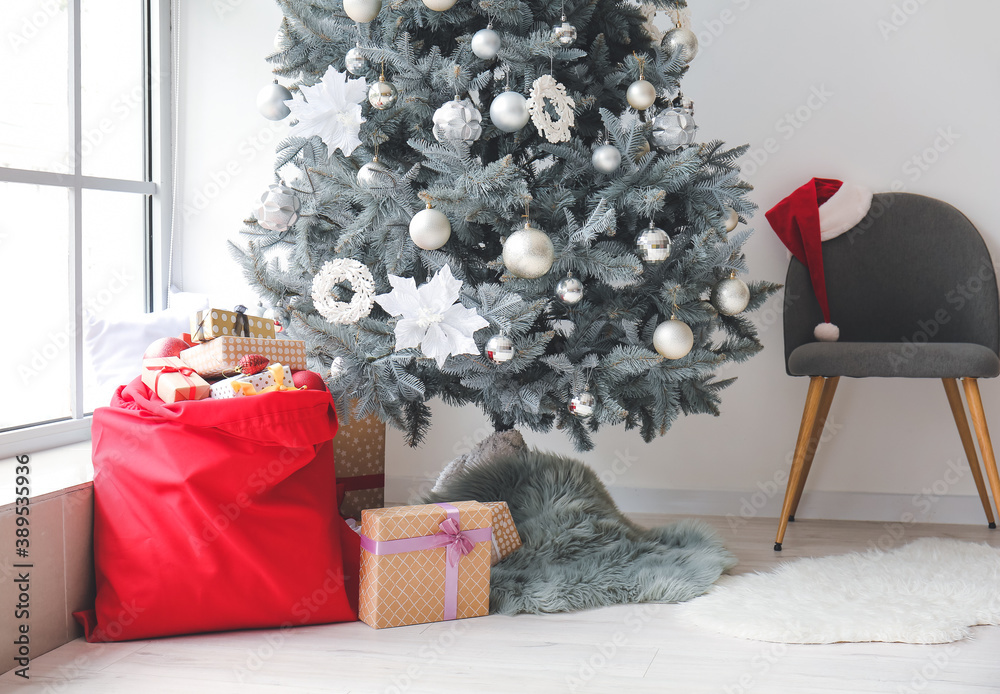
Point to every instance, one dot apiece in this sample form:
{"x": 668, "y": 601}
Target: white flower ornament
{"x": 331, "y": 109}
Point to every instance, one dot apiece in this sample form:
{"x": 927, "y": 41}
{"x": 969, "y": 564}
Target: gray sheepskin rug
{"x": 579, "y": 550}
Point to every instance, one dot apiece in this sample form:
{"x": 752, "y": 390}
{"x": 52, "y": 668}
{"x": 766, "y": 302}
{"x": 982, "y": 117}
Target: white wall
{"x": 854, "y": 89}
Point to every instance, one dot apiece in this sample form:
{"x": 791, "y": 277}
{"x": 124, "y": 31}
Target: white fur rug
{"x": 929, "y": 591}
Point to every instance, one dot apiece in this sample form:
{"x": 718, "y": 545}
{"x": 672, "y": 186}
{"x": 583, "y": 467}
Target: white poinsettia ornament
{"x": 431, "y": 318}
{"x": 331, "y": 109}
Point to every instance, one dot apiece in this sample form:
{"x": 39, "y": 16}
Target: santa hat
{"x": 820, "y": 210}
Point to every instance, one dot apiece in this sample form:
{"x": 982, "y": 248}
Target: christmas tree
{"x": 502, "y": 202}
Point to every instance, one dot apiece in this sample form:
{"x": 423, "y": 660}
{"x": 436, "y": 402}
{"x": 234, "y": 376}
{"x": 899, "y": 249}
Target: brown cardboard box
{"x": 170, "y": 379}
{"x": 359, "y": 458}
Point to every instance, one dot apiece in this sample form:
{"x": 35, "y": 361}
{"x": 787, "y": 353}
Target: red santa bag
{"x": 213, "y": 515}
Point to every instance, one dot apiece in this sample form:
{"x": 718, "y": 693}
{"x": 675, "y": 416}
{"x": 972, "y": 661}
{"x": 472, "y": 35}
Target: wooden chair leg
{"x": 829, "y": 389}
{"x": 958, "y": 411}
{"x": 983, "y": 434}
{"x": 813, "y": 397}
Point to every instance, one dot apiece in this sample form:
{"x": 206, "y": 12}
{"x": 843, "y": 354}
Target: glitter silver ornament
{"x": 732, "y": 219}
{"x": 641, "y": 94}
{"x": 528, "y": 253}
{"x": 653, "y": 245}
{"x": 499, "y": 349}
{"x": 439, "y": 5}
{"x": 382, "y": 94}
{"x": 375, "y": 174}
{"x": 509, "y": 112}
{"x": 582, "y": 405}
{"x": 271, "y": 101}
{"x": 730, "y": 296}
{"x": 458, "y": 121}
{"x": 355, "y": 62}
{"x": 681, "y": 39}
{"x": 570, "y": 290}
{"x": 606, "y": 158}
{"x": 673, "y": 339}
{"x": 362, "y": 10}
{"x": 565, "y": 33}
{"x": 673, "y": 129}
{"x": 279, "y": 208}
{"x": 430, "y": 229}
{"x": 485, "y": 43}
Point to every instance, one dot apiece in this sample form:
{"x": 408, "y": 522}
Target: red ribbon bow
{"x": 185, "y": 371}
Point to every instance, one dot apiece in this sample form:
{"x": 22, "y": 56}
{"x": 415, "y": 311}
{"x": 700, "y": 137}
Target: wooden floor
{"x": 635, "y": 648}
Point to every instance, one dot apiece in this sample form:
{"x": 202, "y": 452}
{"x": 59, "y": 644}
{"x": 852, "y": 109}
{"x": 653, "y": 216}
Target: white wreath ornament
{"x": 362, "y": 283}
{"x": 546, "y": 87}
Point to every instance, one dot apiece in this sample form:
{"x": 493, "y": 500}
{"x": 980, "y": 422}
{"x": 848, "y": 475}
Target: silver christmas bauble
{"x": 673, "y": 129}
{"x": 681, "y": 39}
{"x": 430, "y": 229}
{"x": 382, "y": 94}
{"x": 528, "y": 253}
{"x": 278, "y": 209}
{"x": 509, "y": 112}
{"x": 653, "y": 245}
{"x": 732, "y": 219}
{"x": 375, "y": 174}
{"x": 582, "y": 405}
{"x": 641, "y": 95}
{"x": 730, "y": 296}
{"x": 673, "y": 339}
{"x": 499, "y": 349}
{"x": 458, "y": 120}
{"x": 271, "y": 101}
{"x": 565, "y": 33}
{"x": 439, "y": 5}
{"x": 355, "y": 62}
{"x": 570, "y": 290}
{"x": 362, "y": 10}
{"x": 485, "y": 43}
{"x": 606, "y": 158}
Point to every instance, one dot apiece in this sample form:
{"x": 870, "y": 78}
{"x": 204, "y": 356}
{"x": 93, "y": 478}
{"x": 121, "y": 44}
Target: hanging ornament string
{"x": 641, "y": 94}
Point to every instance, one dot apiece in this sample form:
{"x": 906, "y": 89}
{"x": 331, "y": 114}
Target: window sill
{"x": 52, "y": 470}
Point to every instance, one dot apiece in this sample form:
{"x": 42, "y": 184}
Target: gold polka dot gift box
{"x": 220, "y": 356}
{"x": 359, "y": 458}
{"x": 505, "y": 536}
{"x": 427, "y": 563}
{"x": 217, "y": 322}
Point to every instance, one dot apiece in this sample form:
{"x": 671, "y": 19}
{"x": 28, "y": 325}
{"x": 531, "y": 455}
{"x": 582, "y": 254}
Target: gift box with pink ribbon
{"x": 173, "y": 380}
{"x": 424, "y": 564}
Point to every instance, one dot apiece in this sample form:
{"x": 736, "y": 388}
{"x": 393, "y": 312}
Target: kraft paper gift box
{"x": 424, "y": 564}
{"x": 217, "y": 322}
{"x": 220, "y": 356}
{"x": 359, "y": 459}
{"x": 172, "y": 380}
{"x": 244, "y": 385}
{"x": 505, "y": 536}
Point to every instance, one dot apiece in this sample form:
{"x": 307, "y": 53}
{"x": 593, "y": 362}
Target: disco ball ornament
{"x": 732, "y": 219}
{"x": 653, "y": 245}
{"x": 271, "y": 101}
{"x": 641, "y": 94}
{"x": 458, "y": 121}
{"x": 362, "y": 10}
{"x": 509, "y": 112}
{"x": 485, "y": 43}
{"x": 355, "y": 62}
{"x": 430, "y": 229}
{"x": 570, "y": 290}
{"x": 673, "y": 129}
{"x": 528, "y": 253}
{"x": 499, "y": 349}
{"x": 439, "y": 5}
{"x": 279, "y": 208}
{"x": 606, "y": 158}
{"x": 382, "y": 94}
{"x": 375, "y": 174}
{"x": 730, "y": 296}
{"x": 565, "y": 33}
{"x": 673, "y": 339}
{"x": 582, "y": 405}
{"x": 681, "y": 39}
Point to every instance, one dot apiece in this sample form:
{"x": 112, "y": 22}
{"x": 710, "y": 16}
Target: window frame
{"x": 157, "y": 186}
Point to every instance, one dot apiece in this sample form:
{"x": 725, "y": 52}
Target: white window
{"x": 84, "y": 197}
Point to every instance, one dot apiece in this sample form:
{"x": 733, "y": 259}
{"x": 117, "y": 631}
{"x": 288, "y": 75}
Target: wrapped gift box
{"x": 244, "y": 385}
{"x": 424, "y": 564}
{"x": 172, "y": 380}
{"x": 220, "y": 356}
{"x": 216, "y": 322}
{"x": 505, "y": 536}
{"x": 359, "y": 457}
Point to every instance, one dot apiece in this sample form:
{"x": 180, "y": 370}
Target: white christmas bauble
{"x": 606, "y": 158}
{"x": 528, "y": 253}
{"x": 570, "y": 290}
{"x": 730, "y": 296}
{"x": 673, "y": 339}
{"x": 582, "y": 405}
{"x": 499, "y": 349}
{"x": 509, "y": 112}
{"x": 278, "y": 209}
{"x": 732, "y": 219}
{"x": 362, "y": 10}
{"x": 382, "y": 94}
{"x": 641, "y": 95}
{"x": 355, "y": 62}
{"x": 681, "y": 39}
{"x": 430, "y": 229}
{"x": 375, "y": 174}
{"x": 439, "y": 5}
{"x": 653, "y": 245}
{"x": 271, "y": 101}
{"x": 486, "y": 43}
{"x": 457, "y": 120}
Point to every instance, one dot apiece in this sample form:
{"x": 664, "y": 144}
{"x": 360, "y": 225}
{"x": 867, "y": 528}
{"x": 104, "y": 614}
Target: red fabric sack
{"x": 212, "y": 515}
